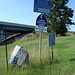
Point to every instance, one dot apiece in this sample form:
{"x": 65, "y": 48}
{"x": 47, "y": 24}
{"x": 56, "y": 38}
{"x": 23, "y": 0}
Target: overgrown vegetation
{"x": 60, "y": 18}
{"x": 62, "y": 64}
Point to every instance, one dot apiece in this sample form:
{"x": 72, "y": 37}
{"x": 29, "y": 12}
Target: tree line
{"x": 60, "y": 18}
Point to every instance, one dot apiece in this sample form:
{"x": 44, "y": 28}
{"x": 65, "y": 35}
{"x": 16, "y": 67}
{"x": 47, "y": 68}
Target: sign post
{"x": 52, "y": 41}
{"x": 40, "y": 47}
{"x": 52, "y": 51}
{"x": 41, "y": 6}
{"x": 41, "y": 26}
{"x": 6, "y": 50}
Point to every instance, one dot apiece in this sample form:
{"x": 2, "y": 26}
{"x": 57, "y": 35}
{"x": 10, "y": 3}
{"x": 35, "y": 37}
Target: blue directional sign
{"x": 41, "y": 24}
{"x": 41, "y": 21}
{"x": 42, "y": 6}
{"x": 51, "y": 39}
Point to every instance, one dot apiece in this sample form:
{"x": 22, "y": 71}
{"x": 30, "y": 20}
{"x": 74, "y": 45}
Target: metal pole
{"x": 52, "y": 51}
{"x": 40, "y": 47}
{"x": 6, "y": 50}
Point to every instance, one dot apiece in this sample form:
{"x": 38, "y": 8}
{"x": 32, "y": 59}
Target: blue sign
{"x": 41, "y": 24}
{"x": 51, "y": 39}
{"x": 42, "y": 6}
{"x": 41, "y": 21}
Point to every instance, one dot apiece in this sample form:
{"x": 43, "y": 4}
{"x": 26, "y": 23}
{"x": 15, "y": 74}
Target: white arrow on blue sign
{"x": 41, "y": 21}
{"x": 51, "y": 39}
{"x": 41, "y": 24}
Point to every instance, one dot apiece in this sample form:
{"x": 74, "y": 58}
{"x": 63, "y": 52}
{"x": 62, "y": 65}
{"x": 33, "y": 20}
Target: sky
{"x": 21, "y": 11}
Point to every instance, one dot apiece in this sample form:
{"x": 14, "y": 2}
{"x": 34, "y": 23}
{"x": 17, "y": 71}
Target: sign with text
{"x": 18, "y": 56}
{"x": 51, "y": 39}
{"x": 42, "y": 6}
{"x": 41, "y": 24}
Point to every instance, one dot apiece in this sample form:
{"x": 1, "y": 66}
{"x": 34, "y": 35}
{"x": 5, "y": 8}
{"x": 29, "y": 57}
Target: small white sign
{"x": 41, "y": 29}
{"x": 18, "y": 56}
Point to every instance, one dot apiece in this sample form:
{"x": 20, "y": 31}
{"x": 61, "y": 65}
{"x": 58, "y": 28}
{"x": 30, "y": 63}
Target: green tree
{"x": 60, "y": 17}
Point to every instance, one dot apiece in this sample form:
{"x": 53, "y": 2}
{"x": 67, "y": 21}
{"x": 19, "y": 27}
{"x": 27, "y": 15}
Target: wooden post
{"x": 6, "y": 50}
{"x": 52, "y": 51}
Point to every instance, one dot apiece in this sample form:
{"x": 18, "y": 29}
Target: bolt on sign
{"x": 18, "y": 56}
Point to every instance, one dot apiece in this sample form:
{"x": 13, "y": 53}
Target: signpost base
{"x": 13, "y": 67}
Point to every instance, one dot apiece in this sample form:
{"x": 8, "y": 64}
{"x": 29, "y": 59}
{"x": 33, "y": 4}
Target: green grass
{"x": 62, "y": 64}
